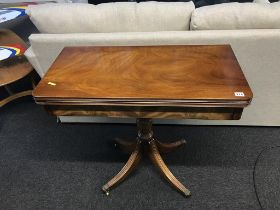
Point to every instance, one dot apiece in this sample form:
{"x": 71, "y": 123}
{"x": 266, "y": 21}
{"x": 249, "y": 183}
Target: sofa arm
{"x": 31, "y": 57}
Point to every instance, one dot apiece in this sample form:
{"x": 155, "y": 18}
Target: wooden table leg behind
{"x": 146, "y": 143}
{"x": 169, "y": 147}
{"x": 126, "y": 146}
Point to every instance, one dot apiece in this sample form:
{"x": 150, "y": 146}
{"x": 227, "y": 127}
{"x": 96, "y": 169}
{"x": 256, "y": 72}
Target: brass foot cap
{"x": 187, "y": 194}
{"x": 105, "y": 189}
{"x": 183, "y": 141}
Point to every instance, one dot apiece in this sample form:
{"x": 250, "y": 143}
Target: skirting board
{"x": 89, "y": 119}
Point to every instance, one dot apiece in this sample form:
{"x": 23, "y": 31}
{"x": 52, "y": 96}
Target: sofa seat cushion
{"x": 111, "y": 17}
{"x": 232, "y": 16}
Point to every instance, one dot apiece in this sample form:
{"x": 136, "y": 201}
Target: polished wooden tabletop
{"x": 14, "y": 68}
{"x": 146, "y": 76}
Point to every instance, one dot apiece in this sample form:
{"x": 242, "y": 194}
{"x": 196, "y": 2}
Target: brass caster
{"x": 184, "y": 141}
{"x": 187, "y": 193}
{"x": 105, "y": 189}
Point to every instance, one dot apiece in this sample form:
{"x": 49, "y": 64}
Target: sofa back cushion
{"x": 237, "y": 16}
{"x": 111, "y": 17}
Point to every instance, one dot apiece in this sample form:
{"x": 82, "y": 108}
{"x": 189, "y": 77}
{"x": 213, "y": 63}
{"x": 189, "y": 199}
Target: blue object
{"x": 11, "y": 13}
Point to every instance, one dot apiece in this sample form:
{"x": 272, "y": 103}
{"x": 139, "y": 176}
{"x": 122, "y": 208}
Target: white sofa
{"x": 25, "y": 1}
{"x": 254, "y": 35}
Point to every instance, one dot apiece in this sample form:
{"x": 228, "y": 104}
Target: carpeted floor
{"x": 45, "y": 165}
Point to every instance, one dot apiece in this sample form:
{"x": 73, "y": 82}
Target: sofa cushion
{"x": 111, "y": 17}
{"x": 262, "y": 1}
{"x": 237, "y": 16}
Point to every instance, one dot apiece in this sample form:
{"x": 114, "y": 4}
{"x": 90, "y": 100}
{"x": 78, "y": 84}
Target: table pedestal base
{"x": 146, "y": 143}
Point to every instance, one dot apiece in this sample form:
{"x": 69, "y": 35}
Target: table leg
{"x": 159, "y": 163}
{"x": 146, "y": 143}
{"x": 127, "y": 146}
{"x": 130, "y": 165}
{"x": 169, "y": 147}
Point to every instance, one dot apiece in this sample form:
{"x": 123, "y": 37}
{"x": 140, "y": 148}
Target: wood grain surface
{"x": 145, "y": 76}
{"x": 14, "y": 68}
{"x": 8, "y": 37}
{"x": 204, "y": 113}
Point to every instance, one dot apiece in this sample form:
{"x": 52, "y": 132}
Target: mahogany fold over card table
{"x": 146, "y": 82}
